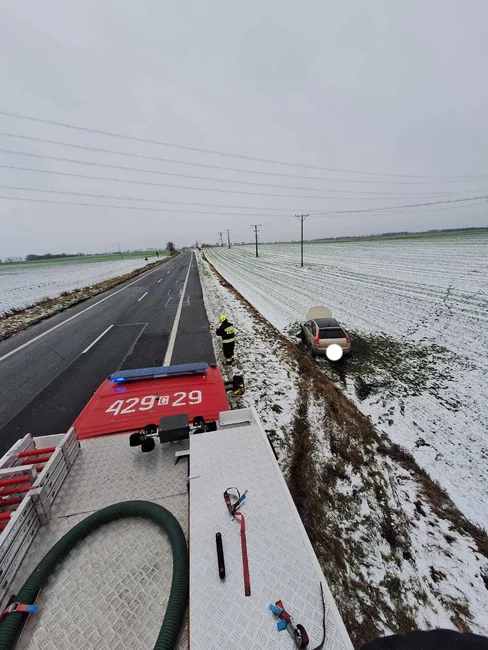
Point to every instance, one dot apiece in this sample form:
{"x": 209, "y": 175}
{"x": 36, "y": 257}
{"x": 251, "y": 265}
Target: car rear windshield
{"x": 331, "y": 333}
{"x": 323, "y": 323}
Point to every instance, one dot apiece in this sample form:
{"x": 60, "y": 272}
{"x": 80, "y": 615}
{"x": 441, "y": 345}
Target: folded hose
{"x": 177, "y": 602}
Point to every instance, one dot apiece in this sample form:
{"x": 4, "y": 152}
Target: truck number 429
{"x": 133, "y": 404}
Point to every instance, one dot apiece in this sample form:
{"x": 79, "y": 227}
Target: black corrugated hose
{"x": 175, "y": 611}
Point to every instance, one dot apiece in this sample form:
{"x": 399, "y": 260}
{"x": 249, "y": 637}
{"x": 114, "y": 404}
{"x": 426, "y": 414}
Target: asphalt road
{"x": 49, "y": 372}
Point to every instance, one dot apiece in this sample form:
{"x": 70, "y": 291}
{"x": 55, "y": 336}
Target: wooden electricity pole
{"x": 256, "y": 231}
{"x": 302, "y": 218}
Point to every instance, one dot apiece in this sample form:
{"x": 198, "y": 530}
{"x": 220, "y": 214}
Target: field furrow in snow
{"x": 429, "y": 296}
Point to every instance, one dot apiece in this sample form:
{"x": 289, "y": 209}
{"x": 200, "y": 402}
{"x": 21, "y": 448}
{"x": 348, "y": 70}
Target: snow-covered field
{"x": 429, "y": 296}
{"x": 25, "y": 285}
{"x": 396, "y": 558}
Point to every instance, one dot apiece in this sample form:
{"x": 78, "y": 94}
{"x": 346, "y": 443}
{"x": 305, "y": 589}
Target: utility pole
{"x": 120, "y": 252}
{"x": 302, "y": 218}
{"x": 228, "y": 237}
{"x": 221, "y": 240}
{"x": 256, "y": 231}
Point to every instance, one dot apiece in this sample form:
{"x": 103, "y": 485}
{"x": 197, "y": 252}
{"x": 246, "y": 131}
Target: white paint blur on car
{"x": 334, "y": 352}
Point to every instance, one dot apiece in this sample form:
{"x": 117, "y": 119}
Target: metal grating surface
{"x": 112, "y": 590}
{"x": 281, "y": 559}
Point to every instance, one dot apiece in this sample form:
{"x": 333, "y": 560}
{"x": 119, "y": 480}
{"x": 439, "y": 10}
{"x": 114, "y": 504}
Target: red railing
{"x": 13, "y": 490}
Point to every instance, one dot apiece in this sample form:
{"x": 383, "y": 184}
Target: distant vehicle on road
{"x": 321, "y": 330}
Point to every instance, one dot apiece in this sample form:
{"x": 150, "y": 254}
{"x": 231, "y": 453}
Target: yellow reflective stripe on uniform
{"x": 228, "y": 332}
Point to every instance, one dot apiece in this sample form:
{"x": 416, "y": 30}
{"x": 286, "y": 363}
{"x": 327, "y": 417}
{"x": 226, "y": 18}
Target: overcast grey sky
{"x": 378, "y": 86}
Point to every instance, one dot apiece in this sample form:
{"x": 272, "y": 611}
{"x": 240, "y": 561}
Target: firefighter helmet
{"x": 223, "y": 318}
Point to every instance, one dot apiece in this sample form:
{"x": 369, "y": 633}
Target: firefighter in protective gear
{"x": 226, "y": 331}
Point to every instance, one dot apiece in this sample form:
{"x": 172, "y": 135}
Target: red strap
{"x": 284, "y": 616}
{"x": 245, "y": 561}
{"x": 18, "y": 607}
{"x": 21, "y": 608}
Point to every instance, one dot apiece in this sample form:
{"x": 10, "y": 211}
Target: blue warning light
{"x": 159, "y": 372}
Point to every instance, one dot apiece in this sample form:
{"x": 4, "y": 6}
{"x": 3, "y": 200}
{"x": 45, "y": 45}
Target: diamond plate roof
{"x": 282, "y": 563}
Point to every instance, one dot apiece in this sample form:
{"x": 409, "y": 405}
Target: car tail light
{"x": 317, "y": 339}
{"x": 346, "y": 337}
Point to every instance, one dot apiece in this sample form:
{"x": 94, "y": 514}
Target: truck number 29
{"x": 148, "y": 402}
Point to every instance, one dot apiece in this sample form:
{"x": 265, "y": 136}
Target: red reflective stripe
{"x": 36, "y": 452}
{"x": 245, "y": 561}
{"x": 5, "y": 515}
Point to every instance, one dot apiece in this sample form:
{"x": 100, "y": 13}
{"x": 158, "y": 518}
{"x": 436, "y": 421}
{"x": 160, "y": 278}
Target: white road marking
{"x": 97, "y": 339}
{"x": 159, "y": 280}
{"x": 172, "y": 338}
{"x": 39, "y": 336}
{"x": 143, "y": 296}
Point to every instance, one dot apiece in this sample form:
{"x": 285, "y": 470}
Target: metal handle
{"x": 220, "y": 555}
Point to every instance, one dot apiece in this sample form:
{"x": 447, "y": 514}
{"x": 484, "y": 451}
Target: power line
{"x": 331, "y": 215}
{"x": 285, "y": 211}
{"x": 396, "y": 207}
{"x": 133, "y": 207}
{"x": 133, "y": 198}
{"x": 438, "y": 208}
{"x": 183, "y": 187}
{"x": 316, "y": 213}
{"x": 232, "y": 169}
{"x": 378, "y": 195}
{"x": 217, "y": 153}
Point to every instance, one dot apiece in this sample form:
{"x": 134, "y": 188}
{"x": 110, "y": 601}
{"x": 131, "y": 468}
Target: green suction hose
{"x": 176, "y": 608}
